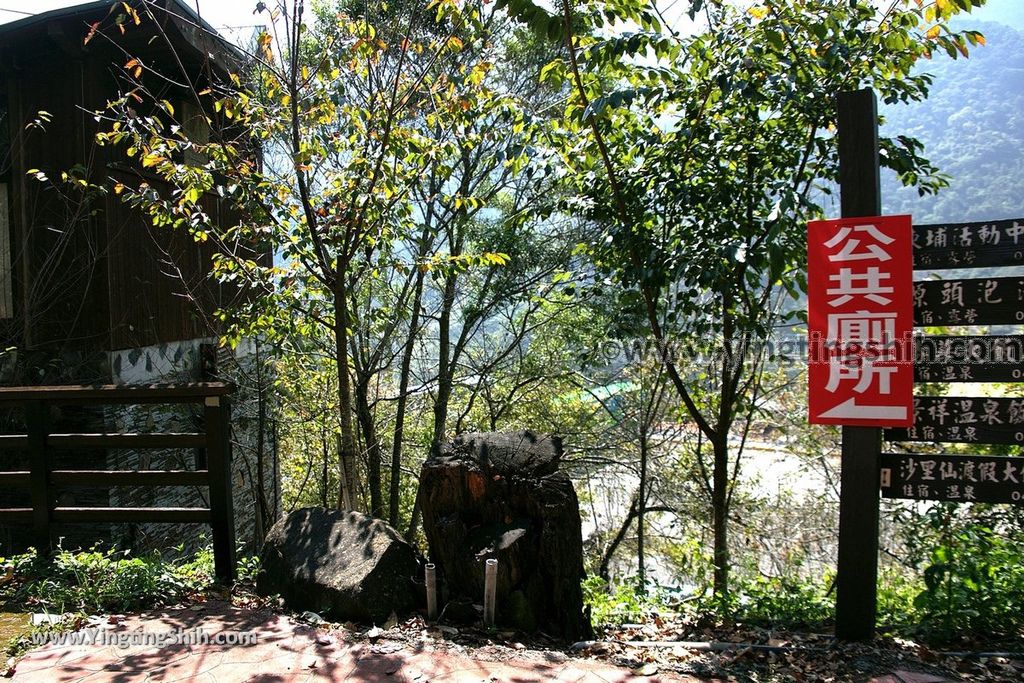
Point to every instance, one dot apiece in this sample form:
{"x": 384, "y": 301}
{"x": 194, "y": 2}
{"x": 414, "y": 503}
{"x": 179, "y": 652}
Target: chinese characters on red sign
{"x": 860, "y": 321}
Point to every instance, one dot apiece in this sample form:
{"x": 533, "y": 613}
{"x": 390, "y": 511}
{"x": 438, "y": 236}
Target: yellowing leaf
{"x": 151, "y": 160}
{"x": 132, "y": 13}
{"x": 933, "y": 32}
{"x": 758, "y": 12}
{"x": 93, "y": 27}
{"x": 264, "y": 42}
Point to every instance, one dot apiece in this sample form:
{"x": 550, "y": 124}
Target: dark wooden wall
{"x": 59, "y": 246}
{"x": 93, "y": 276}
{"x": 159, "y": 288}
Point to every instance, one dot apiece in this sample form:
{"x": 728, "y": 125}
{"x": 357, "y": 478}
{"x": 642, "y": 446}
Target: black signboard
{"x": 981, "y": 301}
{"x": 964, "y": 420}
{"x": 960, "y": 478}
{"x": 969, "y": 245}
{"x": 972, "y": 358}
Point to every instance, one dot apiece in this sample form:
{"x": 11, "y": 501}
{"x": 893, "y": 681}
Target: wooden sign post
{"x": 936, "y": 359}
{"x": 857, "y": 573}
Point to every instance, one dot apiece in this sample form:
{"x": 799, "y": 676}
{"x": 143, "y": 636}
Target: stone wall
{"x": 186, "y": 361}
{"x": 19, "y": 368}
{"x": 191, "y": 361}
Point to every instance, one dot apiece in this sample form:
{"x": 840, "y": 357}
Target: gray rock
{"x": 345, "y": 566}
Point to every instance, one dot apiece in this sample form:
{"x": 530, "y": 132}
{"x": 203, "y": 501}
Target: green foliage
{"x": 346, "y": 135}
{"x": 778, "y": 602}
{"x": 775, "y": 602}
{"x": 247, "y": 570}
{"x": 382, "y": 153}
{"x": 784, "y": 602}
{"x": 973, "y": 576}
{"x": 973, "y": 125}
{"x": 98, "y": 581}
{"x": 620, "y": 601}
{"x": 898, "y": 586}
{"x": 102, "y": 580}
{"x": 700, "y": 158}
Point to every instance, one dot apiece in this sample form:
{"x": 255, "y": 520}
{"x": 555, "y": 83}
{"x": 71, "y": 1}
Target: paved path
{"x": 284, "y": 651}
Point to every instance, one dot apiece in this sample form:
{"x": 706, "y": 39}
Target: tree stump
{"x": 500, "y": 495}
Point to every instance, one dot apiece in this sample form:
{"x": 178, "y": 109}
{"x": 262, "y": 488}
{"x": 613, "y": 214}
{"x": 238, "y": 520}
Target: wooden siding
{"x": 99, "y": 277}
{"x": 160, "y": 290}
{"x": 6, "y": 278}
{"x": 62, "y": 246}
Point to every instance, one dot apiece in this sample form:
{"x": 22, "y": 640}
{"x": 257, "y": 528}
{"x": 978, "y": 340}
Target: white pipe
{"x": 431, "y": 576}
{"x": 490, "y": 590}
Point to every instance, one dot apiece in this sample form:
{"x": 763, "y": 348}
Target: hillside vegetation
{"x": 973, "y": 128}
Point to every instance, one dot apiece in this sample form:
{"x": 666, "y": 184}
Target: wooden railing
{"x": 41, "y": 478}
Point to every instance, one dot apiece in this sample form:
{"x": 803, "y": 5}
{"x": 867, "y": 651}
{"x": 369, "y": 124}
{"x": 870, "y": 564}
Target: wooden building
{"x": 79, "y": 272}
{"x": 90, "y": 290}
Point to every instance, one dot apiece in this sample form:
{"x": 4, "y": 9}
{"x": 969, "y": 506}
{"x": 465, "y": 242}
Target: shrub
{"x": 783, "y": 602}
{"x": 620, "y": 601}
{"x": 974, "y": 584}
{"x": 107, "y": 580}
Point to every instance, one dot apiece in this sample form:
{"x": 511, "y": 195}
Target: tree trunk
{"x": 500, "y": 495}
{"x": 373, "y": 477}
{"x": 403, "y": 388}
{"x": 641, "y": 574}
{"x": 324, "y": 480}
{"x": 414, "y": 522}
{"x": 444, "y": 365}
{"x": 263, "y": 519}
{"x": 720, "y": 514}
{"x": 609, "y": 552}
{"x": 348, "y": 493}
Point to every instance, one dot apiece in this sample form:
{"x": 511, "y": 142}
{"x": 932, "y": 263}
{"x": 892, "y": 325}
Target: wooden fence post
{"x": 857, "y": 572}
{"x": 37, "y": 426}
{"x": 217, "y": 421}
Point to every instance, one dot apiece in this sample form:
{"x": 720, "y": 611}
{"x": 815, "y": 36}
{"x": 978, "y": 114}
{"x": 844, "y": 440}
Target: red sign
{"x": 860, "y": 322}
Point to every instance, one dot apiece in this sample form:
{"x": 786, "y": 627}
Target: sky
{"x": 236, "y": 17}
{"x": 219, "y": 13}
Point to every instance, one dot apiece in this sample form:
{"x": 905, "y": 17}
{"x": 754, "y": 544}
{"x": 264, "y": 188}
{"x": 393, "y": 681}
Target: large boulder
{"x": 345, "y": 566}
{"x": 500, "y": 495}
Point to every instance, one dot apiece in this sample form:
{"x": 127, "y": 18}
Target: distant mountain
{"x": 972, "y": 125}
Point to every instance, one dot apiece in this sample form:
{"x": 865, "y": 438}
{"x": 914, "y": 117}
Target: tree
{"x": 320, "y": 140}
{"x": 699, "y": 160}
